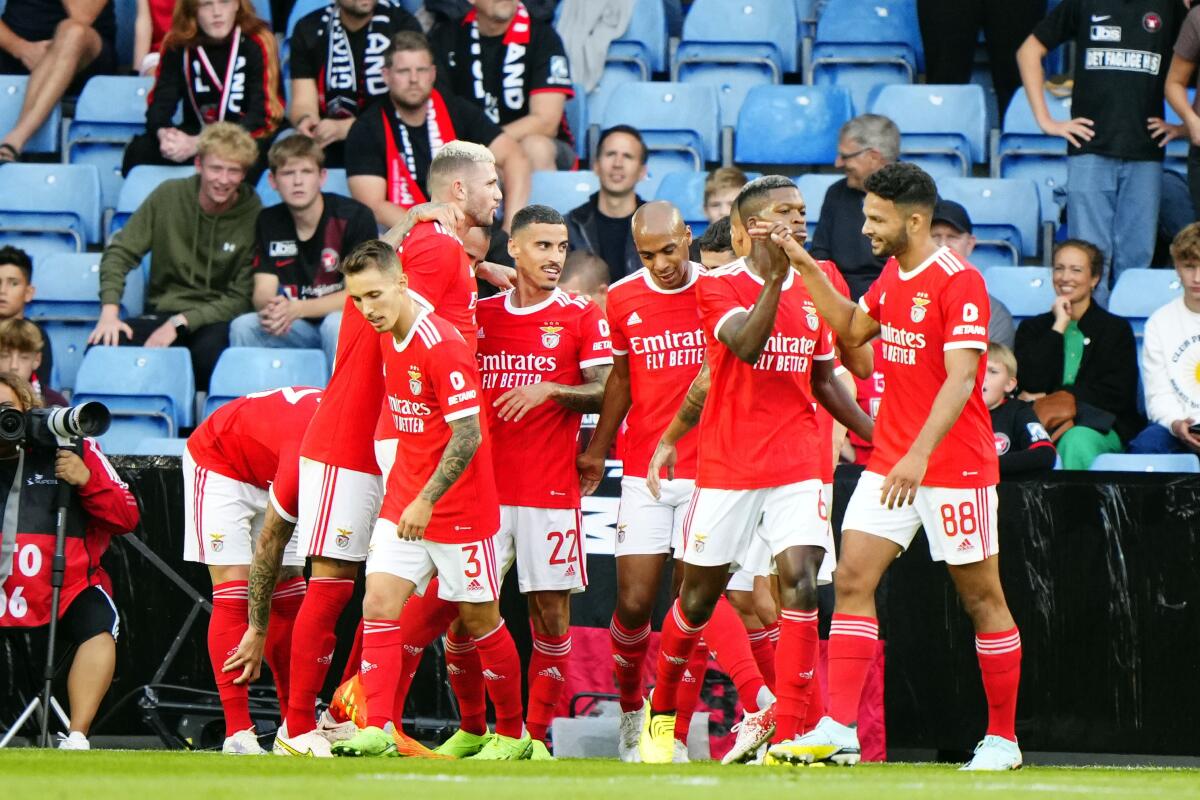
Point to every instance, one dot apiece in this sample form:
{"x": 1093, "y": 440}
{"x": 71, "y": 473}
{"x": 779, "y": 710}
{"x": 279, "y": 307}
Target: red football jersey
{"x": 431, "y": 382}
{"x": 869, "y": 398}
{"x": 554, "y": 340}
{"x": 660, "y": 333}
{"x": 825, "y": 420}
{"x": 341, "y": 432}
{"x": 439, "y": 273}
{"x": 941, "y": 305}
{"x": 256, "y": 440}
{"x": 759, "y": 428}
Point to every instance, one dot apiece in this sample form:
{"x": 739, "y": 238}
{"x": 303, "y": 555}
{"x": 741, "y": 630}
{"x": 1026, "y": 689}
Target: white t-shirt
{"x": 1171, "y": 364}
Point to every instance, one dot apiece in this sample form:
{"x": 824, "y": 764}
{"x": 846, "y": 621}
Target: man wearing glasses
{"x": 866, "y": 144}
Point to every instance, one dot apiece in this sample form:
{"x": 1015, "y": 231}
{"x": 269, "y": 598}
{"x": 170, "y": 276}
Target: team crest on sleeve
{"x": 810, "y": 317}
{"x": 414, "y": 380}
{"x": 917, "y": 313}
{"x": 551, "y": 336}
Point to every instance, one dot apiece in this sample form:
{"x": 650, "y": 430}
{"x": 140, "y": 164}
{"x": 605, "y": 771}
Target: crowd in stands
{"x": 376, "y": 87}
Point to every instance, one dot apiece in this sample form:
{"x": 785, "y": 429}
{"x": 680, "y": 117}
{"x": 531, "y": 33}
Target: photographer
{"x": 100, "y": 506}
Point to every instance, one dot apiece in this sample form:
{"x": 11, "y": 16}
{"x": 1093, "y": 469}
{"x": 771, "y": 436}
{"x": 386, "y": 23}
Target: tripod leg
{"x": 29, "y": 711}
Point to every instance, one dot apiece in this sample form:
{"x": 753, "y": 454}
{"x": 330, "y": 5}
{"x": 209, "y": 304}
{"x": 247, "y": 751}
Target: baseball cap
{"x": 952, "y": 214}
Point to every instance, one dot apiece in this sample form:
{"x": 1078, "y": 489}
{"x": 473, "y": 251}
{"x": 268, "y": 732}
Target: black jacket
{"x": 1108, "y": 372}
{"x": 583, "y": 234}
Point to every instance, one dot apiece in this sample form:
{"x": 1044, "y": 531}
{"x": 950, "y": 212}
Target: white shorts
{"x": 547, "y": 546}
{"x": 222, "y": 518}
{"x": 385, "y": 456}
{"x": 646, "y": 526}
{"x": 960, "y": 524}
{"x": 467, "y": 573}
{"x": 759, "y": 562}
{"x": 723, "y": 524}
{"x": 338, "y": 508}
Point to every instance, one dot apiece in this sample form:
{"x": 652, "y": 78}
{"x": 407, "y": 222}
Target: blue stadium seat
{"x": 803, "y": 124}
{"x": 611, "y": 80}
{"x": 263, "y": 9}
{"x": 576, "y": 112}
{"x": 1004, "y": 213}
{"x": 1141, "y": 292}
{"x": 942, "y": 128}
{"x": 148, "y": 390}
{"x": 138, "y": 185}
{"x": 1130, "y": 462}
{"x": 58, "y": 204}
{"x": 243, "y": 370}
{"x": 1024, "y": 151}
{"x": 644, "y": 42}
{"x": 68, "y": 289}
{"x": 679, "y": 119}
{"x": 759, "y": 36}
{"x": 68, "y": 342}
{"x": 732, "y": 83}
{"x": 335, "y": 183}
{"x": 813, "y": 187}
{"x": 303, "y": 8}
{"x": 686, "y": 191}
{"x": 111, "y": 110}
{"x": 1026, "y": 291}
{"x": 862, "y": 45}
{"x": 563, "y": 190}
{"x": 12, "y": 95}
{"x": 151, "y": 446}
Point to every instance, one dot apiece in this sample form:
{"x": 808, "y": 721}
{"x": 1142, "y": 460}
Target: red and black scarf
{"x": 403, "y": 188}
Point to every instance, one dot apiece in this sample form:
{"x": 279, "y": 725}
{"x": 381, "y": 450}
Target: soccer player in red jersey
{"x": 240, "y": 475}
{"x": 770, "y": 356}
{"x": 440, "y": 511}
{"x": 934, "y": 462}
{"x": 543, "y": 356}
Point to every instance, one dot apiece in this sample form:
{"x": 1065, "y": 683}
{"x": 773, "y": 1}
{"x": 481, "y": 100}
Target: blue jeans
{"x": 247, "y": 331}
{"x": 1156, "y": 440}
{"x": 1113, "y": 204}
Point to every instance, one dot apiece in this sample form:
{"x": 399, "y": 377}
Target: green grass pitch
{"x": 150, "y": 775}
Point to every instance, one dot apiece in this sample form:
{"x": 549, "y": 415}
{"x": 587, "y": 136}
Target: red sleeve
{"x": 965, "y": 311}
{"x": 285, "y": 488}
{"x": 717, "y": 303}
{"x": 455, "y": 378}
{"x": 616, "y": 329}
{"x": 869, "y": 302}
{"x": 431, "y": 263}
{"x": 106, "y": 499}
{"x": 595, "y": 340}
{"x": 824, "y": 349}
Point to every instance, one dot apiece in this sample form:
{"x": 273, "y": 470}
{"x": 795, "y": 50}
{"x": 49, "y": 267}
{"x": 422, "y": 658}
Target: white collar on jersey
{"x": 694, "y": 275}
{"x": 740, "y": 264}
{"x": 924, "y": 265}
{"x": 412, "y": 331}
{"x": 510, "y": 308}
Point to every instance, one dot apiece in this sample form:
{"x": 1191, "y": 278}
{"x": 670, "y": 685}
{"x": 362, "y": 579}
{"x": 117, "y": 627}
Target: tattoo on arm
{"x": 465, "y": 437}
{"x": 693, "y": 401}
{"x": 264, "y": 568}
{"x": 588, "y": 396}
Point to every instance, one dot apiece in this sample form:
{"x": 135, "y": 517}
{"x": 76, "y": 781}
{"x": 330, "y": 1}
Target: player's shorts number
{"x": 474, "y": 567}
{"x": 822, "y": 509}
{"x": 560, "y": 539}
{"x": 961, "y": 520}
{"x": 457, "y": 381}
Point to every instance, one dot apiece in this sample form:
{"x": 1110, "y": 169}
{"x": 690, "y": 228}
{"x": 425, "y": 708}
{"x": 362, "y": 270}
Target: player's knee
{"x": 799, "y": 594}
{"x": 697, "y": 603}
{"x": 540, "y": 151}
{"x": 72, "y": 34}
{"x": 480, "y": 620}
{"x": 379, "y": 604}
{"x": 634, "y": 607}
{"x": 553, "y": 619}
{"x": 983, "y": 606}
{"x": 852, "y": 583}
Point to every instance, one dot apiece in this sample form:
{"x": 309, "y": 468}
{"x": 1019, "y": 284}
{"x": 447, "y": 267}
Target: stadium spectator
{"x": 586, "y": 275}
{"x": 721, "y": 188}
{"x": 391, "y": 145}
{"x": 716, "y": 246}
{"x": 950, "y": 31}
{"x": 199, "y": 234}
{"x": 1116, "y": 138}
{"x": 337, "y": 65}
{"x": 149, "y": 29}
{"x": 866, "y": 143}
{"x": 1183, "y": 67}
{"x": 298, "y": 290}
{"x": 100, "y": 507}
{"x": 602, "y": 224}
{"x": 1079, "y": 362}
{"x": 220, "y": 62}
{"x": 1170, "y": 352}
{"x": 450, "y": 10}
{"x": 952, "y": 228}
{"x": 1022, "y": 443}
{"x": 16, "y": 291}
{"x": 514, "y": 67}
{"x": 55, "y": 42}
{"x": 21, "y": 346}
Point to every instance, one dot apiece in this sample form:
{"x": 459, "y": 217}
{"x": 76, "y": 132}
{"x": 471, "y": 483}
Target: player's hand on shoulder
{"x": 901, "y": 484}
{"x": 516, "y": 403}
{"x": 591, "y": 471}
{"x": 248, "y": 657}
{"x": 415, "y": 520}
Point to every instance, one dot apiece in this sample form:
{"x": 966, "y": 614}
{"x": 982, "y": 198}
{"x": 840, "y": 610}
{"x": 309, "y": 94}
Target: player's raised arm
{"x": 617, "y": 400}
{"x": 686, "y": 418}
{"x": 465, "y": 437}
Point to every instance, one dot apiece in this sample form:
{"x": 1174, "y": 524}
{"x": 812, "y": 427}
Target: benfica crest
{"x": 550, "y": 336}
{"x": 811, "y": 315}
{"x": 414, "y": 380}
{"x": 917, "y": 313}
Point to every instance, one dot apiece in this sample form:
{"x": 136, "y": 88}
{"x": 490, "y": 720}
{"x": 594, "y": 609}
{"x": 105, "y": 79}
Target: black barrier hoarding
{"x": 1101, "y": 572}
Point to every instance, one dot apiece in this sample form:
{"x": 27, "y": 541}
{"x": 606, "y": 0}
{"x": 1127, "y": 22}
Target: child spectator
{"x": 1021, "y": 442}
{"x": 21, "y": 345}
{"x": 715, "y": 248}
{"x": 16, "y": 291}
{"x": 721, "y": 188}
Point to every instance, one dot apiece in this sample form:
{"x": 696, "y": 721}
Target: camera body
{"x": 53, "y": 427}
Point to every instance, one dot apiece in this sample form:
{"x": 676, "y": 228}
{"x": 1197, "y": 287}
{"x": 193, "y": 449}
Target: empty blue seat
{"x": 1026, "y": 291}
{"x": 1004, "y": 212}
{"x": 685, "y": 190}
{"x": 111, "y": 110}
{"x": 758, "y": 36}
{"x": 148, "y": 389}
{"x": 335, "y": 183}
{"x": 68, "y": 289}
{"x": 862, "y": 45}
{"x": 644, "y": 42}
{"x": 12, "y": 95}
{"x": 244, "y": 370}
{"x": 733, "y": 85}
{"x": 1130, "y": 462}
{"x": 676, "y": 118}
{"x": 302, "y": 9}
{"x": 68, "y": 342}
{"x": 129, "y": 445}
{"x": 791, "y": 125}
{"x": 56, "y": 203}
{"x": 611, "y": 80}
{"x": 1141, "y": 292}
{"x": 576, "y": 113}
{"x": 564, "y": 190}
{"x": 138, "y": 185}
{"x": 1024, "y": 151}
{"x": 942, "y": 128}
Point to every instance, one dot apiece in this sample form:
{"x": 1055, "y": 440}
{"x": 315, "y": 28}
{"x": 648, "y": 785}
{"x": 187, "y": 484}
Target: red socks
{"x": 629, "y": 654}
{"x": 762, "y": 646}
{"x": 726, "y": 637}
{"x": 285, "y": 604}
{"x": 795, "y": 664}
{"x": 687, "y": 696}
{"x": 1000, "y": 662}
{"x": 547, "y": 679}
{"x": 225, "y": 630}
{"x": 313, "y": 641}
{"x": 423, "y": 620}
{"x": 816, "y": 703}
{"x": 354, "y": 660}
{"x": 502, "y": 677}
{"x": 679, "y": 638}
{"x": 380, "y": 670}
{"x": 852, "y": 644}
{"x": 466, "y": 681}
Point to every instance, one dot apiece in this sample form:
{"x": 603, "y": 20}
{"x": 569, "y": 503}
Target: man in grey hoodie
{"x": 199, "y": 232}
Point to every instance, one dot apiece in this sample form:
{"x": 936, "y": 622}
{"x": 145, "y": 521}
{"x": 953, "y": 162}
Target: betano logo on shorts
{"x": 900, "y": 346}
{"x": 670, "y": 348}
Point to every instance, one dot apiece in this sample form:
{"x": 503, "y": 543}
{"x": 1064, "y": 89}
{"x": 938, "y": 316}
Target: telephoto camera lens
{"x": 12, "y": 425}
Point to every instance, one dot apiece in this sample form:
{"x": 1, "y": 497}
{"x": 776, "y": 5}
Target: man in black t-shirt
{"x": 1114, "y": 164}
{"x": 337, "y": 67}
{"x": 298, "y": 289}
{"x": 602, "y": 225}
{"x": 393, "y": 142}
{"x": 54, "y": 42}
{"x": 515, "y": 69}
